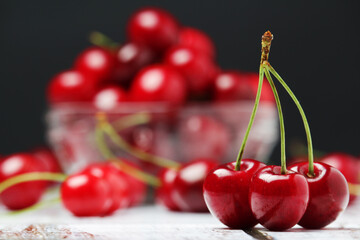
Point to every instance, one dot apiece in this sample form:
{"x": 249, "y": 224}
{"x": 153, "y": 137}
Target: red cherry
{"x": 118, "y": 183}
{"x": 198, "y": 69}
{"x": 96, "y": 62}
{"x": 278, "y": 201}
{"x": 154, "y": 28}
{"x": 109, "y": 97}
{"x": 129, "y": 59}
{"x": 48, "y": 159}
{"x": 226, "y": 193}
{"x": 188, "y": 185}
{"x": 159, "y": 83}
{"x": 86, "y": 194}
{"x": 329, "y": 194}
{"x": 235, "y": 86}
{"x": 196, "y": 39}
{"x": 165, "y": 191}
{"x": 347, "y": 165}
{"x": 71, "y": 86}
{"x": 25, "y": 194}
{"x": 203, "y": 137}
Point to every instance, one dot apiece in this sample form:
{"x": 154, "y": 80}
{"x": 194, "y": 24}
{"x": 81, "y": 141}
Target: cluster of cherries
{"x": 161, "y": 61}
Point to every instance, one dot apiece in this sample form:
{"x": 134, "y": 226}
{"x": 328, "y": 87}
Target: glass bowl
{"x": 201, "y": 130}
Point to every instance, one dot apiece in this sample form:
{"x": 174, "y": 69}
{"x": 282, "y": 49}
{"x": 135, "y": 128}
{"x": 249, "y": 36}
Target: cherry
{"x": 129, "y": 59}
{"x": 154, "y": 28}
{"x": 86, "y": 194}
{"x": 25, "y": 194}
{"x": 109, "y": 97}
{"x": 119, "y": 185}
{"x": 159, "y": 83}
{"x": 165, "y": 191}
{"x": 273, "y": 196}
{"x": 329, "y": 194}
{"x": 235, "y": 86}
{"x": 196, "y": 39}
{"x": 347, "y": 165}
{"x": 203, "y": 137}
{"x": 188, "y": 185}
{"x": 226, "y": 193}
{"x": 71, "y": 86}
{"x": 48, "y": 159}
{"x": 198, "y": 69}
{"x": 97, "y": 62}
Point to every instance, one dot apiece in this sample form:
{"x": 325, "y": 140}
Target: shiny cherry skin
{"x": 109, "y": 97}
{"x": 97, "y": 62}
{"x": 154, "y": 28}
{"x": 278, "y": 201}
{"x": 198, "y": 40}
{"x": 129, "y": 59}
{"x": 159, "y": 83}
{"x": 348, "y": 165}
{"x": 119, "y": 185}
{"x": 203, "y": 137}
{"x": 165, "y": 191}
{"x": 198, "y": 69}
{"x": 188, "y": 185}
{"x": 71, "y": 86}
{"x": 236, "y": 86}
{"x": 48, "y": 158}
{"x": 226, "y": 193}
{"x": 329, "y": 194}
{"x": 86, "y": 194}
{"x": 25, "y": 194}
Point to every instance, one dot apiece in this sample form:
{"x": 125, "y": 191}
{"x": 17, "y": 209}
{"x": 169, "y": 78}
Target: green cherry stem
{"x": 302, "y": 113}
{"x": 121, "y": 143}
{"x": 252, "y": 117}
{"x": 120, "y": 164}
{"x": 281, "y": 120}
{"x": 131, "y": 120}
{"x": 101, "y": 40}
{"x": 32, "y": 176}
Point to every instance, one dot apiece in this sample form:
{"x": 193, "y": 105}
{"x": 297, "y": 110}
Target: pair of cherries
{"x": 261, "y": 194}
{"x": 101, "y": 189}
{"x": 26, "y": 194}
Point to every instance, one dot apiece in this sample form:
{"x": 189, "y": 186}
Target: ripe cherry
{"x": 235, "y": 86}
{"x": 226, "y": 193}
{"x": 129, "y": 59}
{"x": 97, "y": 62}
{"x": 159, "y": 83}
{"x": 203, "y": 137}
{"x": 329, "y": 194}
{"x": 48, "y": 159}
{"x": 154, "y": 28}
{"x": 71, "y": 86}
{"x": 165, "y": 191}
{"x": 198, "y": 69}
{"x": 278, "y": 201}
{"x": 86, "y": 194}
{"x": 109, "y": 97}
{"x": 25, "y": 194}
{"x": 347, "y": 165}
{"x": 198, "y": 40}
{"x": 188, "y": 185}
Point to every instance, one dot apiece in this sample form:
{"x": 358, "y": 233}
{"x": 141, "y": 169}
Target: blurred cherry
{"x": 48, "y": 159}
{"x": 109, "y": 97}
{"x": 159, "y": 83}
{"x": 25, "y": 194}
{"x": 71, "y": 86}
{"x": 154, "y": 28}
{"x": 198, "y": 40}
{"x": 164, "y": 193}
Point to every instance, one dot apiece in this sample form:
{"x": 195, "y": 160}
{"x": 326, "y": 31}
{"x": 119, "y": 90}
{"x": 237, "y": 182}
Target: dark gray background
{"x": 316, "y": 49}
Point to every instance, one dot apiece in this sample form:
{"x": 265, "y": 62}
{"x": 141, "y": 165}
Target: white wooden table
{"x": 153, "y": 222}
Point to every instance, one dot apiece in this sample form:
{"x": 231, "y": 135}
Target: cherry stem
{"x": 101, "y": 40}
{"x": 131, "y": 120}
{"x": 252, "y": 117}
{"x": 302, "y": 113}
{"x": 121, "y": 143}
{"x": 120, "y": 164}
{"x": 32, "y": 176}
{"x": 281, "y": 120}
{"x": 37, "y": 206}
